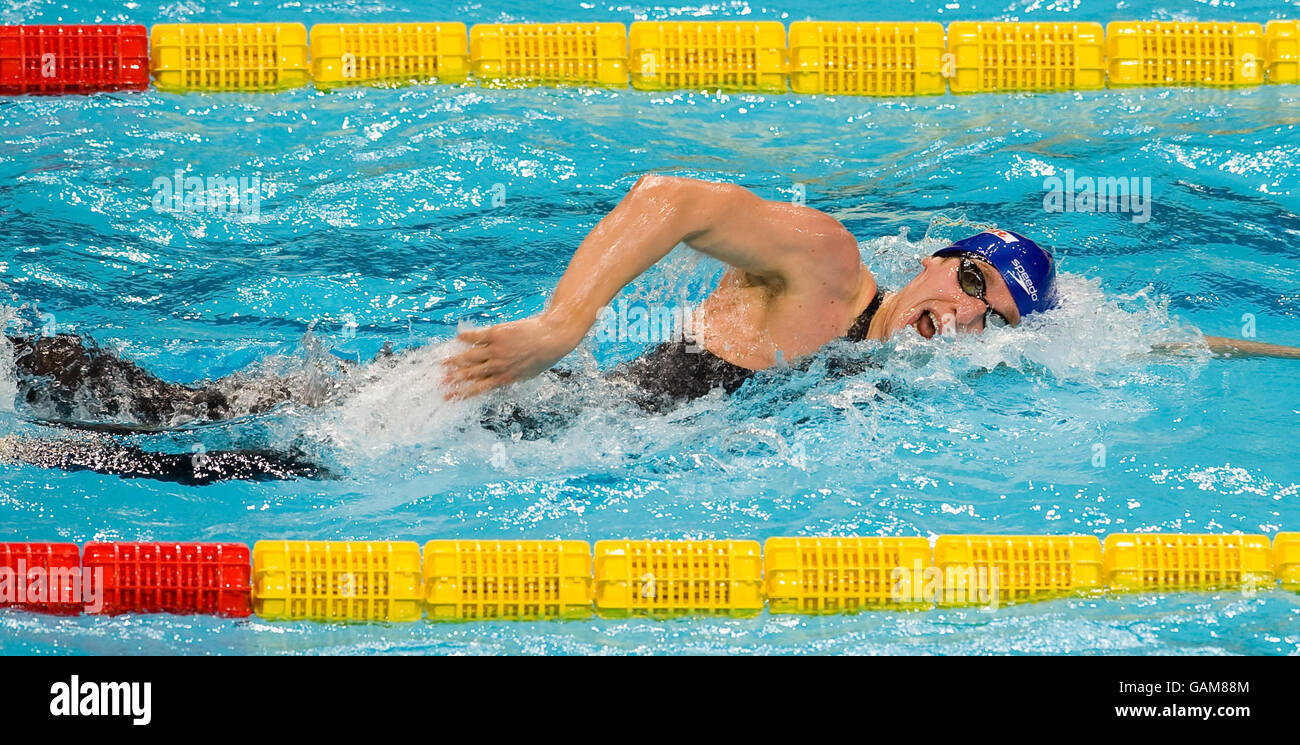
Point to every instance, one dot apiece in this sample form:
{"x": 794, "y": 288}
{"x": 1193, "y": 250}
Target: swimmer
{"x": 795, "y": 281}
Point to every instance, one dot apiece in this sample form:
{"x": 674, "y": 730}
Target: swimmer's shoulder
{"x": 839, "y": 263}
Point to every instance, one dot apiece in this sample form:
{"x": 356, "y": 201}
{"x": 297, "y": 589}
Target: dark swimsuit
{"x": 673, "y": 373}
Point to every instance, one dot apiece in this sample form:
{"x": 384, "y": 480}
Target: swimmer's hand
{"x": 507, "y": 353}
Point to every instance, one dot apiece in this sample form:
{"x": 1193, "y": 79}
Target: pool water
{"x": 393, "y": 215}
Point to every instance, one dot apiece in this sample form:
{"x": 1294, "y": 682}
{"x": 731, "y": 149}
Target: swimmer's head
{"x": 994, "y": 278}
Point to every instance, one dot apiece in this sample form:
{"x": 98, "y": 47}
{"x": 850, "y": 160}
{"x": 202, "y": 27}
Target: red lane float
{"x": 207, "y": 578}
{"x": 73, "y": 59}
{"x": 40, "y": 577}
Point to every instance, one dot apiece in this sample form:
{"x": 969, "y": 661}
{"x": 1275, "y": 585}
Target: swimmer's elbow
{"x": 774, "y": 240}
{"x": 658, "y": 185}
{"x": 696, "y": 206}
{"x": 662, "y": 190}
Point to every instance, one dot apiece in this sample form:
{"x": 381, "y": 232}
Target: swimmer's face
{"x": 939, "y": 299}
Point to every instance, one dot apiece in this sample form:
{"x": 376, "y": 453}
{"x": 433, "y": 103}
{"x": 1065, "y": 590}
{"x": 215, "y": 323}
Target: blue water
{"x": 376, "y": 224}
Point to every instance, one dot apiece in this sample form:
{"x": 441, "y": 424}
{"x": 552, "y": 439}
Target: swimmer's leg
{"x": 110, "y": 456}
{"x": 66, "y": 378}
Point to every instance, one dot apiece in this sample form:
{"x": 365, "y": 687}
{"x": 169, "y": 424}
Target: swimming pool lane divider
{"x": 346, "y": 54}
{"x": 229, "y": 56}
{"x": 814, "y": 57}
{"x": 73, "y": 59}
{"x": 465, "y": 580}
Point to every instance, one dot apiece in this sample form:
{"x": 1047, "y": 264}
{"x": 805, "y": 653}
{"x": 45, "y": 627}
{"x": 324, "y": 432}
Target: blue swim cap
{"x": 1027, "y": 268}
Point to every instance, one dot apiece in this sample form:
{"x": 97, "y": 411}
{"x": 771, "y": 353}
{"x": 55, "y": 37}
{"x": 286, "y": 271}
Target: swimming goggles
{"x": 972, "y": 282}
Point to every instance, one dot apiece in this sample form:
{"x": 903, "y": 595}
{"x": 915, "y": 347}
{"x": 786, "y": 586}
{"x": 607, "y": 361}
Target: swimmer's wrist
{"x": 568, "y": 327}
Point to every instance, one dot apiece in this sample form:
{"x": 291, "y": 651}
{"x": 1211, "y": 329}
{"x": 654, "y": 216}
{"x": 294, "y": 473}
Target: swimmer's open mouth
{"x": 925, "y": 324}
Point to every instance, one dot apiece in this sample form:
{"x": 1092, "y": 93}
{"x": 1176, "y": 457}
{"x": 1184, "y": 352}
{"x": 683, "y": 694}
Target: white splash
{"x": 398, "y": 402}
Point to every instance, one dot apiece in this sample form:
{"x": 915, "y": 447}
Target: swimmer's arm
{"x": 789, "y": 247}
{"x": 1225, "y": 347}
{"x": 775, "y": 242}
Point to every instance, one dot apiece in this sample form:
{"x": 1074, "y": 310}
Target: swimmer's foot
{"x": 108, "y": 456}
